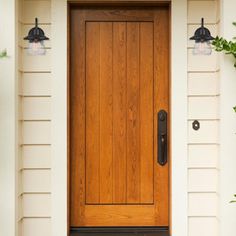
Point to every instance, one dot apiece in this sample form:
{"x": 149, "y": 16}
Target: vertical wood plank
{"x": 106, "y": 109}
{"x": 119, "y": 112}
{"x": 92, "y": 112}
{"x": 133, "y": 119}
{"x": 146, "y": 112}
{"x": 77, "y": 120}
{"x": 161, "y": 101}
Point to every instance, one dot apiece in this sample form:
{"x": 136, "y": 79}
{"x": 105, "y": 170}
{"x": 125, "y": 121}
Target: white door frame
{"x": 178, "y": 91}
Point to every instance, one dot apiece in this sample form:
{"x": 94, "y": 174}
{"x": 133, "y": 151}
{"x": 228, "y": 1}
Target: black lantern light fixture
{"x": 36, "y": 39}
{"x": 202, "y": 37}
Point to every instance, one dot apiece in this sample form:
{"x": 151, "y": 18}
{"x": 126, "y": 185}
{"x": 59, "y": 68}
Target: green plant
{"x": 3, "y": 54}
{"x": 229, "y": 47}
{"x": 234, "y": 199}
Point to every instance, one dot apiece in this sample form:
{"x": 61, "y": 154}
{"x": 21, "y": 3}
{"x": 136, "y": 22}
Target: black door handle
{"x": 162, "y": 137}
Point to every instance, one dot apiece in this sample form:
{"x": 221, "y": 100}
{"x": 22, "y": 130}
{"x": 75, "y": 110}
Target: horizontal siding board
{"x": 208, "y": 132}
{"x": 36, "y": 156}
{"x": 203, "y": 108}
{"x": 41, "y": 63}
{"x": 36, "y": 227}
{"x": 199, "y": 9}
{"x": 203, "y": 204}
{"x": 25, "y": 30}
{"x": 203, "y": 180}
{"x": 36, "y": 205}
{"x": 36, "y": 181}
{"x": 36, "y": 108}
{"x": 203, "y": 83}
{"x": 201, "y": 63}
{"x": 203, "y": 156}
{"x": 36, "y": 84}
{"x": 36, "y": 132}
{"x": 203, "y": 226}
{"x": 40, "y": 9}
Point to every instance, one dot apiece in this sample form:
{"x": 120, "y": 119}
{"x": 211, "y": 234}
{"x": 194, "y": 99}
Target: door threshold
{"x": 122, "y": 231}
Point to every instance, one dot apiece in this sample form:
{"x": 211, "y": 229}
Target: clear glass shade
{"x": 202, "y": 48}
{"x": 36, "y": 48}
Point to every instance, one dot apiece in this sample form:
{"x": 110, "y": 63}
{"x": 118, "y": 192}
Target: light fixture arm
{"x": 36, "y": 22}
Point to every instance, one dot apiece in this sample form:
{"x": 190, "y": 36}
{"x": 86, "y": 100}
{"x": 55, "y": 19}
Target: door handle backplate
{"x": 162, "y": 137}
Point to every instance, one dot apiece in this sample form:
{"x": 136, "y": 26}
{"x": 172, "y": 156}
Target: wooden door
{"x": 119, "y": 60}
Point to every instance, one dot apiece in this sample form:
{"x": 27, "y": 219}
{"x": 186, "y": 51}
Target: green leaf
{"x": 3, "y": 54}
{"x": 235, "y": 111}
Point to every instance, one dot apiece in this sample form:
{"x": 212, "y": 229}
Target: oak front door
{"x": 119, "y": 69}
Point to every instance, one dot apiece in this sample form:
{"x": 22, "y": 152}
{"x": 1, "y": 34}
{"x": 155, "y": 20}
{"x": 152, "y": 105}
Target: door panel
{"x": 119, "y": 82}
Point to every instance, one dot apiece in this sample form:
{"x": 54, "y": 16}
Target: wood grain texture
{"x": 133, "y": 118}
{"x": 146, "y": 113}
{"x": 119, "y": 81}
{"x": 161, "y": 98}
{"x": 119, "y": 112}
{"x": 77, "y": 121}
{"x": 92, "y": 112}
{"x": 106, "y": 113}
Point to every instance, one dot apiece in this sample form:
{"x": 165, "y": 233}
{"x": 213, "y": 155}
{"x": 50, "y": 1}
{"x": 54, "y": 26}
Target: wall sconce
{"x": 36, "y": 39}
{"x": 202, "y": 37}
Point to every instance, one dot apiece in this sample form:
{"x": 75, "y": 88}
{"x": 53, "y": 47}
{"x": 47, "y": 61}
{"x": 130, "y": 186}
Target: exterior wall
{"x": 8, "y": 119}
{"x": 35, "y": 124}
{"x": 35, "y": 116}
{"x": 228, "y": 124}
{"x": 203, "y": 145}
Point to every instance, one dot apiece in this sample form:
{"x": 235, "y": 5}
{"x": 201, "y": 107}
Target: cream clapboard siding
{"x": 203, "y": 145}
{"x": 35, "y": 123}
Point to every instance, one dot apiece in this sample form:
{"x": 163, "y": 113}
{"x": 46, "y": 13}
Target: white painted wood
{"x": 36, "y": 227}
{"x": 201, "y": 63}
{"x": 203, "y": 204}
{"x": 178, "y": 91}
{"x": 199, "y": 9}
{"x": 36, "y": 181}
{"x": 36, "y": 132}
{"x": 208, "y": 132}
{"x": 204, "y": 226}
{"x": 203, "y": 108}
{"x": 38, "y": 156}
{"x": 25, "y": 29}
{"x": 40, "y": 63}
{"x": 203, "y": 180}
{"x": 203, "y": 83}
{"x": 203, "y": 156}
{"x": 8, "y": 120}
{"x": 36, "y": 84}
{"x": 59, "y": 118}
{"x": 36, "y": 108}
{"x": 36, "y": 205}
{"x": 227, "y": 125}
{"x": 40, "y": 9}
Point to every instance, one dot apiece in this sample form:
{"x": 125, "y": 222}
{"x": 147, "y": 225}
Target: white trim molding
{"x": 8, "y": 119}
{"x": 59, "y": 117}
{"x": 179, "y": 177}
{"x": 178, "y": 117}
